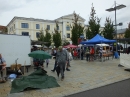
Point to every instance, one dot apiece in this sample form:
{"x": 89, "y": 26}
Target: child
{"x": 47, "y": 62}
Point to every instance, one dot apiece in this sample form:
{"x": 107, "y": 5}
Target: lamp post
{"x": 115, "y": 9}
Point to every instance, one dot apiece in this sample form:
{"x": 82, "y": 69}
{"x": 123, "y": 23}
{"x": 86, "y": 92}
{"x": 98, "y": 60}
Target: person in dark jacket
{"x": 82, "y": 54}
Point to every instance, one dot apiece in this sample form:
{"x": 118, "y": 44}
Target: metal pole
{"x": 115, "y": 26}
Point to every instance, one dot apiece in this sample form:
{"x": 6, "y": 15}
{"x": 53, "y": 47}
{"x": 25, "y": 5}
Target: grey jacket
{"x": 62, "y": 56}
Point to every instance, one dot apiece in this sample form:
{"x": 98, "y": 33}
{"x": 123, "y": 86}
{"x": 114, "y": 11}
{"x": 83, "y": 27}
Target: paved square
{"x": 83, "y": 76}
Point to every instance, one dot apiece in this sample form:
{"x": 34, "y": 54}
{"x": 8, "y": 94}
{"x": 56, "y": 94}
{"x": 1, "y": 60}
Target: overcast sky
{"x": 53, "y": 9}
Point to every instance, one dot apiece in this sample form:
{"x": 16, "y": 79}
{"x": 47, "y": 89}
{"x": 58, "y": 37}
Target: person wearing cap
{"x": 61, "y": 59}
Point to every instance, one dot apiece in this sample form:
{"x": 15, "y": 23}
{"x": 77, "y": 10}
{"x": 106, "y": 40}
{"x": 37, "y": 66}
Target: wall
{"x": 125, "y": 60}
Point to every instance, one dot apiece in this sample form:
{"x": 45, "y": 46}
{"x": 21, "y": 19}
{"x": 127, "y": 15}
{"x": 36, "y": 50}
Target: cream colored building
{"x": 32, "y": 26}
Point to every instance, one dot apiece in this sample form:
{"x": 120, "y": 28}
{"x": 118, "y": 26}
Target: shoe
{"x": 53, "y": 70}
{"x": 67, "y": 69}
{"x": 62, "y": 78}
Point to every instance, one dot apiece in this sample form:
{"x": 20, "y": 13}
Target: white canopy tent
{"x": 101, "y": 45}
{"x": 38, "y": 45}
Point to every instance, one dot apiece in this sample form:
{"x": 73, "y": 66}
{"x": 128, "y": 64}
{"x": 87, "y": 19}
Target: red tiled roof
{"x": 2, "y": 27}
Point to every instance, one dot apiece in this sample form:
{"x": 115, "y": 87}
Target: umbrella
{"x": 70, "y": 46}
{"x": 39, "y": 55}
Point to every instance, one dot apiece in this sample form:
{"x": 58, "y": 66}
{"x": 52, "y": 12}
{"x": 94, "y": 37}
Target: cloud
{"x": 52, "y": 9}
{"x": 10, "y": 5}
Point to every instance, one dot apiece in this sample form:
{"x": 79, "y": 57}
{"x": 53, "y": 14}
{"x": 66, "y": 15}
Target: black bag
{"x": 58, "y": 70}
{"x": 0, "y": 68}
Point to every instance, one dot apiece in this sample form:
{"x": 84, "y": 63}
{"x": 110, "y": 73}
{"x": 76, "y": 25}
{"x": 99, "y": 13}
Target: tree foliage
{"x": 94, "y": 25}
{"x": 66, "y": 42}
{"x": 4, "y": 29}
{"x": 57, "y": 36}
{"x": 108, "y": 30}
{"x": 127, "y": 32}
{"x": 41, "y": 36}
{"x": 76, "y": 29}
{"x": 47, "y": 38}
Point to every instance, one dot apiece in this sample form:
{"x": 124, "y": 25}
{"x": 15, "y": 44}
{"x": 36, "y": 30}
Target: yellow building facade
{"x": 33, "y": 26}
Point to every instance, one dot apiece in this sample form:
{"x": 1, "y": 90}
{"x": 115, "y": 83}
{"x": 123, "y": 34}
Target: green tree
{"x": 57, "y": 36}
{"x": 94, "y": 25}
{"x": 41, "y": 36}
{"x": 66, "y": 42}
{"x": 4, "y": 29}
{"x": 47, "y": 38}
{"x": 108, "y": 29}
{"x": 127, "y": 32}
{"x": 76, "y": 30}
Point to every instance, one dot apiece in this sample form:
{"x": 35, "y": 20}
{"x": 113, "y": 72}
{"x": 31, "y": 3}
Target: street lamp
{"x": 114, "y": 9}
{"x": 120, "y": 24}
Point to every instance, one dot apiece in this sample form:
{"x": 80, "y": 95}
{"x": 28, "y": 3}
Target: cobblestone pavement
{"x": 83, "y": 76}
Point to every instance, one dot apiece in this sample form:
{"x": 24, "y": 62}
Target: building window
{"x": 48, "y": 27}
{"x": 24, "y": 25}
{"x": 68, "y": 28}
{"x": 25, "y": 33}
{"x": 37, "y": 34}
{"x": 37, "y": 26}
{"x": 68, "y": 35}
{"x": 14, "y": 26}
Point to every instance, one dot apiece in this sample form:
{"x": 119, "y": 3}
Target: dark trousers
{"x": 55, "y": 66}
{"x": 119, "y": 53}
{"x": 62, "y": 68}
{"x": 81, "y": 57}
{"x": 87, "y": 57}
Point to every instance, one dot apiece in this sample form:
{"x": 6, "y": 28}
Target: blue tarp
{"x": 97, "y": 40}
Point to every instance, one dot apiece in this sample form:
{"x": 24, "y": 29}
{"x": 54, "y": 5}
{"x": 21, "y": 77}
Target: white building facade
{"x": 32, "y": 26}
